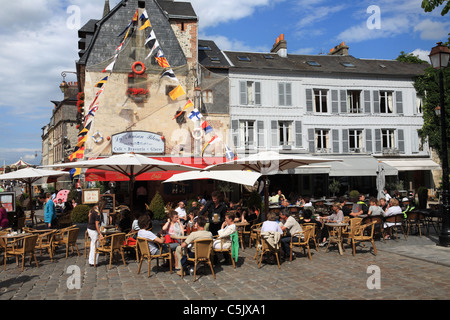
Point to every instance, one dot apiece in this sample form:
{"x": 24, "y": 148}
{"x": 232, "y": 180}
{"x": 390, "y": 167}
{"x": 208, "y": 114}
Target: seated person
{"x": 144, "y": 224}
{"x": 271, "y": 224}
{"x": 225, "y": 232}
{"x": 187, "y": 245}
{"x": 292, "y": 227}
{"x": 307, "y": 218}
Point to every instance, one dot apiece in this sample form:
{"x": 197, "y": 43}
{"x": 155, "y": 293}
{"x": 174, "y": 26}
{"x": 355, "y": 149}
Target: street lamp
{"x": 439, "y": 57}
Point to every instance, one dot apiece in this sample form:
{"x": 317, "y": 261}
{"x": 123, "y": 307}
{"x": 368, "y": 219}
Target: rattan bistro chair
{"x": 203, "y": 250}
{"x": 22, "y": 247}
{"x": 67, "y": 237}
{"x": 45, "y": 242}
{"x": 415, "y": 219}
{"x": 116, "y": 245}
{"x": 144, "y": 250}
{"x": 359, "y": 236}
{"x": 303, "y": 240}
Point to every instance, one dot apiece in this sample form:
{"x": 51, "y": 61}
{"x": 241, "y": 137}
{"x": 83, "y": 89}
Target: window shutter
{"x": 309, "y": 100}
{"x": 288, "y": 89}
{"x": 281, "y": 101}
{"x": 235, "y": 132}
{"x": 378, "y": 140}
{"x": 335, "y": 135}
{"x": 369, "y": 140}
{"x": 311, "y": 140}
{"x": 258, "y": 93}
{"x": 399, "y": 101}
{"x": 345, "y": 148}
{"x": 298, "y": 134}
{"x": 274, "y": 127}
{"x": 366, "y": 94}
{"x": 260, "y": 126}
{"x": 343, "y": 98}
{"x": 376, "y": 103}
{"x": 401, "y": 140}
{"x": 243, "y": 92}
{"x": 334, "y": 102}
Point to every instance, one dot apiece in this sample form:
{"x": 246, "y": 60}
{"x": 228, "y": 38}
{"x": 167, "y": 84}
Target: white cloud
{"x": 422, "y": 54}
{"x": 431, "y": 30}
{"x": 227, "y": 44}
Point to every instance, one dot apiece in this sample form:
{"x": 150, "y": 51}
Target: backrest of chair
{"x": 72, "y": 235}
{"x": 143, "y": 246}
{"x": 117, "y": 241}
{"x": 313, "y": 229}
{"x": 412, "y": 215}
{"x": 255, "y": 226}
{"x": 29, "y": 243}
{"x": 203, "y": 248}
{"x": 21, "y": 222}
{"x": 307, "y": 232}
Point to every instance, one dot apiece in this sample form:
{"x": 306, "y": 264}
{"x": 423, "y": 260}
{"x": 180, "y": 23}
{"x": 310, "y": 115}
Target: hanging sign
{"x": 138, "y": 142}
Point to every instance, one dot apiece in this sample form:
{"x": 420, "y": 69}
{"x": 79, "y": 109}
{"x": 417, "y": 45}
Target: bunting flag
{"x": 211, "y": 142}
{"x": 81, "y": 141}
{"x": 150, "y": 41}
{"x": 77, "y": 154}
{"x": 187, "y": 106}
{"x": 75, "y": 172}
{"x": 230, "y": 154}
{"x": 170, "y": 74}
{"x": 101, "y": 82}
{"x": 195, "y": 115}
{"x": 136, "y": 16}
{"x": 177, "y": 92}
{"x": 126, "y": 29}
{"x": 162, "y": 61}
{"x": 155, "y": 46}
{"x": 206, "y": 127}
{"x": 110, "y": 67}
{"x": 145, "y": 25}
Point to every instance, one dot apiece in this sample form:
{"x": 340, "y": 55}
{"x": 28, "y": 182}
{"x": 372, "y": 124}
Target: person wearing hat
{"x": 407, "y": 207}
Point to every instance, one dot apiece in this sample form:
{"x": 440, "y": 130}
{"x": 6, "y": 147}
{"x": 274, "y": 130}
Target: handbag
{"x": 168, "y": 239}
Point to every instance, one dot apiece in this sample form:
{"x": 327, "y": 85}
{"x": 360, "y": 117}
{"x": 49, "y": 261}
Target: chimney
{"x": 280, "y": 46}
{"x": 106, "y": 9}
{"x": 339, "y": 50}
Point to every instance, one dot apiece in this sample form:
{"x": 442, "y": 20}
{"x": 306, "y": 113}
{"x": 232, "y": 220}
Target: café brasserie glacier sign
{"x": 138, "y": 142}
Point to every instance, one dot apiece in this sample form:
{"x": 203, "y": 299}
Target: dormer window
{"x": 313, "y": 63}
{"x": 348, "y": 64}
{"x": 243, "y": 58}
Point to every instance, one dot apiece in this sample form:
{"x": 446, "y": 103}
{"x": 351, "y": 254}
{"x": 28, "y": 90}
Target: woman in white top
{"x": 173, "y": 226}
{"x": 392, "y": 210}
{"x": 374, "y": 209}
{"x": 228, "y": 228}
{"x": 271, "y": 224}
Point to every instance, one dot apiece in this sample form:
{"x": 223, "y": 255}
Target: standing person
{"x": 4, "y": 222}
{"x": 50, "y": 212}
{"x": 215, "y": 209}
{"x": 181, "y": 210}
{"x": 93, "y": 229}
{"x": 292, "y": 226}
{"x": 387, "y": 196}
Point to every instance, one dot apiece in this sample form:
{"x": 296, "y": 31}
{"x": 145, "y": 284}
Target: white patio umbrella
{"x": 235, "y": 176}
{"x": 381, "y": 180}
{"x": 30, "y": 176}
{"x": 268, "y": 163}
{"x": 129, "y": 164}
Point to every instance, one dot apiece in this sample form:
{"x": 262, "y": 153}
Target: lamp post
{"x": 439, "y": 57}
{"x": 64, "y": 86}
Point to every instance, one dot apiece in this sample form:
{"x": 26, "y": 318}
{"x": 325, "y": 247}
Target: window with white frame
{"x": 207, "y": 96}
{"x": 419, "y": 104}
{"x": 355, "y": 140}
{"x": 285, "y": 94}
{"x": 247, "y": 133}
{"x": 386, "y": 102}
{"x": 322, "y": 143}
{"x": 285, "y": 133}
{"x": 388, "y": 138}
{"x": 250, "y": 92}
{"x": 320, "y": 100}
{"x": 354, "y": 101}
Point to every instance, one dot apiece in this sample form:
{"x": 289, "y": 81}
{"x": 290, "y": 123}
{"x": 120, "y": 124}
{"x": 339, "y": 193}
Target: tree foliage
{"x": 409, "y": 58}
{"x": 430, "y": 5}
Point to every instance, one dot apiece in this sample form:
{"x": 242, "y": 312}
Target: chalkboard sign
{"x": 8, "y": 200}
{"x": 110, "y": 203}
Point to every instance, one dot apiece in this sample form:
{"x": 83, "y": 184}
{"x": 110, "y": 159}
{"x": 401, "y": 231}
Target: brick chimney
{"x": 339, "y": 50}
{"x": 280, "y": 46}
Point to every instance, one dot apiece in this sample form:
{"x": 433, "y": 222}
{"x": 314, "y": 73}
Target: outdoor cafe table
{"x": 14, "y": 236}
{"x": 175, "y": 237}
{"x": 336, "y": 236}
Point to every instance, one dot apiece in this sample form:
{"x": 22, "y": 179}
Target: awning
{"x": 197, "y": 162}
{"x": 352, "y": 166}
{"x": 412, "y": 164}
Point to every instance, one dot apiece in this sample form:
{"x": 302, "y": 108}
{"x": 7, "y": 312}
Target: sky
{"x": 40, "y": 40}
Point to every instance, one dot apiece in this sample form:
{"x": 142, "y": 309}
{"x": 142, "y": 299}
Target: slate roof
{"x": 99, "y": 53}
{"x": 210, "y": 56}
{"x": 323, "y": 64}
{"x": 178, "y": 10}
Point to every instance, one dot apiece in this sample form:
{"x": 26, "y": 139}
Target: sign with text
{"x": 138, "y": 142}
{"x": 91, "y": 196}
{"x": 8, "y": 200}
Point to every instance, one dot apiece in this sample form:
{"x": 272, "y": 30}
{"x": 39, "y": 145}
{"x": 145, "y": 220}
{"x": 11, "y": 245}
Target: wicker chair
{"x": 144, "y": 249}
{"x": 67, "y": 237}
{"x": 359, "y": 236}
{"x": 348, "y": 231}
{"x": 203, "y": 250}
{"x": 134, "y": 246}
{"x": 398, "y": 222}
{"x": 224, "y": 250}
{"x": 45, "y": 242}
{"x": 266, "y": 248}
{"x": 302, "y": 241}
{"x": 415, "y": 219}
{"x": 254, "y": 234}
{"x": 314, "y": 234}
{"x": 116, "y": 245}
{"x": 27, "y": 247}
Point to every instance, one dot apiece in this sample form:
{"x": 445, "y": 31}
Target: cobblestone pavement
{"x": 412, "y": 270}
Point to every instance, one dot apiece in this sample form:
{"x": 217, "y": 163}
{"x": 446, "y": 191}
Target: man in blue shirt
{"x": 50, "y": 212}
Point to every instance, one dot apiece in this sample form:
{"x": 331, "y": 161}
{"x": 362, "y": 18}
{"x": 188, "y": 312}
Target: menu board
{"x": 91, "y": 196}
{"x": 110, "y": 203}
{"x": 8, "y": 200}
